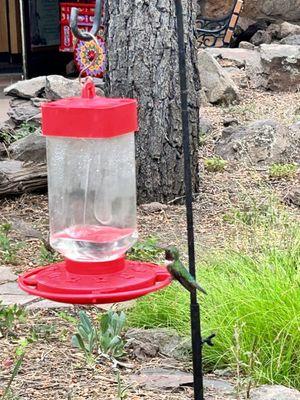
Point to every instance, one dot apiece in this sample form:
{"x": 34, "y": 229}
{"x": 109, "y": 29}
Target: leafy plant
{"x": 122, "y": 391}
{"x": 42, "y": 331}
{"x": 253, "y": 284}
{"x": 20, "y": 353}
{"x": 11, "y": 135}
{"x": 215, "y": 164}
{"x": 8, "y": 317}
{"x": 147, "y": 250}
{"x": 8, "y": 249}
{"x": 283, "y": 171}
{"x": 102, "y": 338}
{"x": 47, "y": 256}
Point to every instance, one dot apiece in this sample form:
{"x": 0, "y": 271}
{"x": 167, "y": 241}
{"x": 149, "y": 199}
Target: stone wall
{"x": 289, "y": 10}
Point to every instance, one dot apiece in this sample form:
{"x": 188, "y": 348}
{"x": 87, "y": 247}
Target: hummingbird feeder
{"x": 92, "y": 203}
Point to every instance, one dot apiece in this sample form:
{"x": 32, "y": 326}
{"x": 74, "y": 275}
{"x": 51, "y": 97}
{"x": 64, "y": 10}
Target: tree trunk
{"x": 143, "y": 63}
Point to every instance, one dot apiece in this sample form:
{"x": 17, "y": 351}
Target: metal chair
{"x": 212, "y": 32}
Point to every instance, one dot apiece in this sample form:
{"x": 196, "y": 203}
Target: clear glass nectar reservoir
{"x": 91, "y": 176}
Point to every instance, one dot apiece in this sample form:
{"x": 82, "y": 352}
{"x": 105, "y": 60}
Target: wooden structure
{"x": 213, "y": 32}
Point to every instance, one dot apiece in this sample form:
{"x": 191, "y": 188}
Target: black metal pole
{"x": 195, "y": 308}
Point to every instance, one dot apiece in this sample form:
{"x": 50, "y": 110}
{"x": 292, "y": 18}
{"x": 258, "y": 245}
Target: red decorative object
{"x": 86, "y": 19}
{"x": 92, "y": 203}
{"x": 91, "y": 58}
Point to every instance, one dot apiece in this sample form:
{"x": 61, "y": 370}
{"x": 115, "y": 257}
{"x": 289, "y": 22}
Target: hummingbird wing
{"x": 182, "y": 275}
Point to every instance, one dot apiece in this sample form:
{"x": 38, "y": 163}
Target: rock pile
{"x": 22, "y": 165}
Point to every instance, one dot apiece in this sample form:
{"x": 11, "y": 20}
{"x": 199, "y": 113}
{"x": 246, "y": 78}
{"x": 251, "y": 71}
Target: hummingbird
{"x": 179, "y": 272}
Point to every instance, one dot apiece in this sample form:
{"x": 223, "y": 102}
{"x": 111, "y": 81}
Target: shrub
{"x": 283, "y": 171}
{"x": 215, "y": 164}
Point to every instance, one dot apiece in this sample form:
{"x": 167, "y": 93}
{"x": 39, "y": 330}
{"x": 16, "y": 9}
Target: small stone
{"x": 274, "y": 392}
{"x": 293, "y": 197}
{"x": 6, "y": 275}
{"x": 25, "y": 229}
{"x": 163, "y": 341}
{"x": 261, "y": 37}
{"x": 27, "y": 89}
{"x": 153, "y": 207}
{"x": 230, "y": 121}
{"x": 246, "y": 46}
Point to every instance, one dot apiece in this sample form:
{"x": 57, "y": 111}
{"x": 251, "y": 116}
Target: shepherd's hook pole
{"x": 195, "y": 308}
{"x": 197, "y": 342}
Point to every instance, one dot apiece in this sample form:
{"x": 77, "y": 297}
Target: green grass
{"x": 253, "y": 304}
{"x": 283, "y": 171}
{"x": 215, "y": 164}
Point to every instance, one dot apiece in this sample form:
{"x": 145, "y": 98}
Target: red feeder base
{"x": 95, "y": 283}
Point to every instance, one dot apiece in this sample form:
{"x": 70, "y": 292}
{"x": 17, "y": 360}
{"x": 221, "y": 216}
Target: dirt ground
{"x": 52, "y": 368}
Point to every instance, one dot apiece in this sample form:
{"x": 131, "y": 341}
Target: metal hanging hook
{"x": 81, "y": 34}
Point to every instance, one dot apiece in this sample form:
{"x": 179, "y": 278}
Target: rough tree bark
{"x": 143, "y": 63}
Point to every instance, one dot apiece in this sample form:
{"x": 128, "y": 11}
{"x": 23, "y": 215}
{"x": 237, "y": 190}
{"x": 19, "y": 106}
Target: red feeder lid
{"x": 95, "y": 283}
{"x": 89, "y": 116}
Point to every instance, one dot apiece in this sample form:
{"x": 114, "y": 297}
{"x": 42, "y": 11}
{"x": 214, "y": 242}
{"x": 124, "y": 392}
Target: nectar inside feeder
{"x": 92, "y": 204}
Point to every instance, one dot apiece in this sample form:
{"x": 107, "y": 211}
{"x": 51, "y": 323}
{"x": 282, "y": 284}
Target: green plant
{"x": 147, "y": 250}
{"x": 283, "y": 171}
{"x": 42, "y": 331}
{"x": 47, "y": 256}
{"x": 215, "y": 164}
{"x": 122, "y": 391}
{"x": 20, "y": 353}
{"x": 8, "y": 249}
{"x": 11, "y": 135}
{"x": 102, "y": 338}
{"x": 67, "y": 317}
{"x": 253, "y": 284}
{"x": 8, "y": 316}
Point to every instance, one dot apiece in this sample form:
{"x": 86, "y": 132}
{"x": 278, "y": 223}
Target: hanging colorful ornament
{"x": 91, "y": 58}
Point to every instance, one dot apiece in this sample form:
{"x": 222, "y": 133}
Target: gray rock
{"x": 151, "y": 342}
{"x": 262, "y": 142}
{"x": 205, "y": 126}
{"x": 274, "y": 392}
{"x": 22, "y": 300}
{"x": 293, "y": 40}
{"x": 23, "y": 111}
{"x": 10, "y": 288}
{"x": 287, "y": 29}
{"x": 236, "y": 57}
{"x": 217, "y": 86}
{"x": 6, "y": 275}
{"x": 3, "y": 153}
{"x": 170, "y": 378}
{"x": 293, "y": 197}
{"x": 153, "y": 207}
{"x": 261, "y": 37}
{"x": 27, "y": 89}
{"x": 58, "y": 87}
{"x": 30, "y": 148}
{"x": 278, "y": 68}
{"x": 246, "y": 46}
{"x": 288, "y": 10}
{"x": 161, "y": 378}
